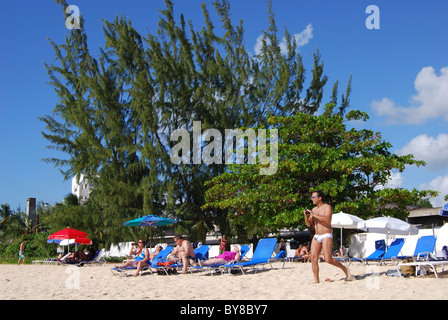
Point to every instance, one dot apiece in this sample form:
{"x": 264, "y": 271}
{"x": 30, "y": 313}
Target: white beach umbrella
{"x": 389, "y": 225}
{"x": 344, "y": 220}
{"x": 347, "y": 221}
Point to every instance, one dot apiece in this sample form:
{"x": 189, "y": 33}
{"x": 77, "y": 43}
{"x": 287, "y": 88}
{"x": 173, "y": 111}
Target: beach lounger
{"x": 200, "y": 253}
{"x": 50, "y": 260}
{"x": 159, "y": 257}
{"x": 392, "y": 253}
{"x": 424, "y": 256}
{"x": 243, "y": 251}
{"x": 419, "y": 265}
{"x": 281, "y": 256}
{"x": 97, "y": 260}
{"x": 425, "y": 246}
{"x": 261, "y": 256}
{"x": 380, "y": 250}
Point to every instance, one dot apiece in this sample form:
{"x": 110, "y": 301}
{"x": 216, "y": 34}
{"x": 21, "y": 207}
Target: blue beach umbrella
{"x": 444, "y": 211}
{"x": 151, "y": 221}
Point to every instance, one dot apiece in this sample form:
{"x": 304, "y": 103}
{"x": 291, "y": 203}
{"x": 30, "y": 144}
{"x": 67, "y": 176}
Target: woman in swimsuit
{"x": 141, "y": 258}
{"x": 224, "y": 257}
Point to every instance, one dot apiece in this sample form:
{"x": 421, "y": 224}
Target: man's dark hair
{"x": 320, "y": 194}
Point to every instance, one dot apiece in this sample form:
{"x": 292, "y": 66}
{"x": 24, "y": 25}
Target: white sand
{"x": 291, "y": 283}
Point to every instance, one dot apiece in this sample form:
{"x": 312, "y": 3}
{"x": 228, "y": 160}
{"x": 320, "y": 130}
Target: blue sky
{"x": 400, "y": 75}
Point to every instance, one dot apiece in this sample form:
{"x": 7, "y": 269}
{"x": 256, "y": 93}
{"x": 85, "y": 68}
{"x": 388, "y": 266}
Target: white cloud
{"x": 301, "y": 39}
{"x": 430, "y": 102}
{"x": 395, "y": 181}
{"x": 439, "y": 184}
{"x": 434, "y": 151}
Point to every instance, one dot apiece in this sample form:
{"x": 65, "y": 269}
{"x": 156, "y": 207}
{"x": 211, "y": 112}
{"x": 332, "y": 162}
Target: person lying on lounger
{"x": 224, "y": 257}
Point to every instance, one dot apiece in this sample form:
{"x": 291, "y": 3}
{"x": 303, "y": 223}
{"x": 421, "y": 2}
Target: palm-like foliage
{"x": 115, "y": 112}
{"x": 13, "y": 224}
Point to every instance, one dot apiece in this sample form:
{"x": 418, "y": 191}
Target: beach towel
{"x": 165, "y": 264}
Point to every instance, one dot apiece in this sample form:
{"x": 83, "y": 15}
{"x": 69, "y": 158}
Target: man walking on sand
{"x": 320, "y": 218}
{"x": 22, "y": 253}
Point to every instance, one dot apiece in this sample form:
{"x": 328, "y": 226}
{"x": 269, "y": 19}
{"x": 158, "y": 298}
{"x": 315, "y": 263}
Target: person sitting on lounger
{"x": 303, "y": 253}
{"x": 142, "y": 258}
{"x": 157, "y": 250}
{"x": 183, "y": 251}
{"x": 224, "y": 257}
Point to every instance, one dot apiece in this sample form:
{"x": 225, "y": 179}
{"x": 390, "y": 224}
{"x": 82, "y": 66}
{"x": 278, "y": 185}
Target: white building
{"x": 81, "y": 188}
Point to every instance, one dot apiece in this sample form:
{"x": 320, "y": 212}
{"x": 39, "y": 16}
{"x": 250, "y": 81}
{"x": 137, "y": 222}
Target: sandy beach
{"x": 294, "y": 282}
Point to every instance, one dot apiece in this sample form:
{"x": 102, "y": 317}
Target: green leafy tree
{"x": 316, "y": 152}
{"x": 115, "y": 112}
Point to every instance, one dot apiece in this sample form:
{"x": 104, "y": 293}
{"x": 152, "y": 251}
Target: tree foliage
{"x": 316, "y": 152}
{"x": 115, "y": 112}
{"x": 13, "y": 224}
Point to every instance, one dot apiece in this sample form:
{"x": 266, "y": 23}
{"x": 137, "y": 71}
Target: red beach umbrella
{"x": 67, "y": 233}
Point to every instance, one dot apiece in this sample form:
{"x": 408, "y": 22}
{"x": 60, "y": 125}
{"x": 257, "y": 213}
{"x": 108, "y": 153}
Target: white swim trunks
{"x": 320, "y": 237}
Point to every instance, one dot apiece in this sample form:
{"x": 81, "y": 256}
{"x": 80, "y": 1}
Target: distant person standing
{"x": 222, "y": 244}
{"x": 320, "y": 217}
{"x": 22, "y": 253}
{"x": 282, "y": 245}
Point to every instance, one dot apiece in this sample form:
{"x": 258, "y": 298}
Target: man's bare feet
{"x": 348, "y": 275}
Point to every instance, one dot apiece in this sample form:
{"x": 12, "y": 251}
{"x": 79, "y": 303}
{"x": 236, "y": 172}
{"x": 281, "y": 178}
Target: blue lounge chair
{"x": 425, "y": 246}
{"x": 393, "y": 251}
{"x": 97, "y": 259}
{"x": 261, "y": 256}
{"x": 380, "y": 250}
{"x": 200, "y": 253}
{"x": 424, "y": 256}
{"x": 162, "y": 255}
{"x": 280, "y": 256}
{"x": 159, "y": 257}
{"x": 243, "y": 250}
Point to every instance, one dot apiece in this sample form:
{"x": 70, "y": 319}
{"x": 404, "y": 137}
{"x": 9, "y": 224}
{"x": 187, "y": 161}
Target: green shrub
{"x": 36, "y": 246}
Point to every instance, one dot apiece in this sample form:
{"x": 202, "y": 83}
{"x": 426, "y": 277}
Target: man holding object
{"x": 320, "y": 217}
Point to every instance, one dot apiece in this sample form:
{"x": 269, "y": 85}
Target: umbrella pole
{"x": 341, "y": 241}
{"x": 387, "y": 239}
{"x": 150, "y": 238}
